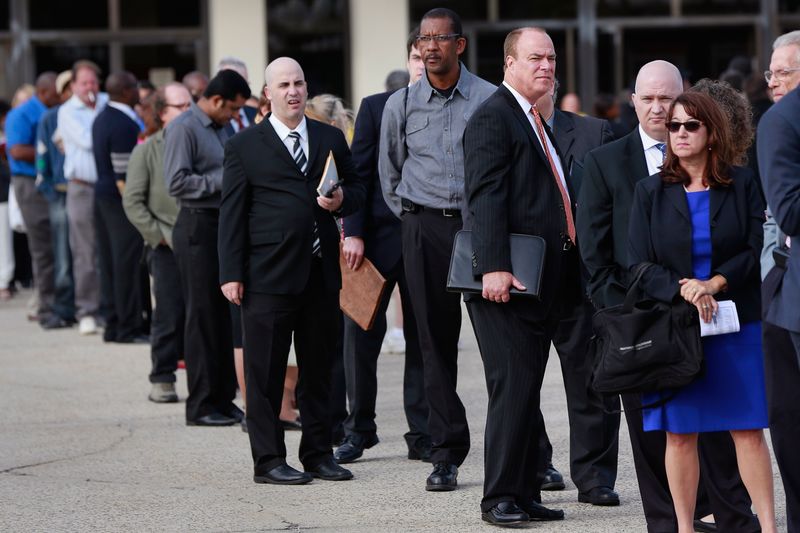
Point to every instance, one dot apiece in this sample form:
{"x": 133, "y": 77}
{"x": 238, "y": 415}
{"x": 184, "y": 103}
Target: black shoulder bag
{"x": 645, "y": 345}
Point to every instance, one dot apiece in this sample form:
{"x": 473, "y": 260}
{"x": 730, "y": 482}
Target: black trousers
{"x": 427, "y": 244}
{"x": 509, "y": 339}
{"x": 166, "y": 331}
{"x": 208, "y": 348}
{"x": 593, "y": 432}
{"x": 119, "y": 249}
{"x": 269, "y": 323}
{"x": 782, "y": 375}
{"x": 361, "y": 351}
{"x": 721, "y": 490}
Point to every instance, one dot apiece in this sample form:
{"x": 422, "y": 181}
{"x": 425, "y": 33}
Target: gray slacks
{"x": 82, "y": 241}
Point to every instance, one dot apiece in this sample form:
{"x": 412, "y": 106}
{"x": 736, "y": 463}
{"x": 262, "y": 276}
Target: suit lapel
{"x": 271, "y": 139}
{"x": 314, "y": 134}
{"x": 524, "y": 123}
{"x": 564, "y": 132}
{"x": 635, "y": 161}
{"x": 677, "y": 195}
{"x": 717, "y": 197}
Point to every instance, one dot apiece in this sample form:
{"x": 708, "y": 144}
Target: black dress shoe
{"x": 214, "y": 419}
{"x": 420, "y": 450}
{"x": 330, "y": 471}
{"x": 292, "y": 425}
{"x": 244, "y": 425}
{"x": 553, "y": 480}
{"x": 443, "y": 478}
{"x": 538, "y": 512}
{"x": 283, "y": 475}
{"x": 705, "y": 527}
{"x": 599, "y": 496}
{"x": 505, "y": 514}
{"x": 234, "y": 412}
{"x": 353, "y": 447}
{"x": 134, "y": 339}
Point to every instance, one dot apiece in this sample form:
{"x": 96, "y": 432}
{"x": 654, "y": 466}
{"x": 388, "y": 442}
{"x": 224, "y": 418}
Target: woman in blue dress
{"x": 699, "y": 221}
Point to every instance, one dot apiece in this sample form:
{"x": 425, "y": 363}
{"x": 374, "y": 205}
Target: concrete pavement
{"x": 81, "y": 449}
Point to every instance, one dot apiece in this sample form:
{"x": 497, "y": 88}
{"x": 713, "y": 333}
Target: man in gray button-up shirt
{"x": 421, "y": 168}
{"x": 193, "y": 156}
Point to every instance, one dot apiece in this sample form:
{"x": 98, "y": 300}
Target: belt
{"x": 202, "y": 210}
{"x": 411, "y": 207}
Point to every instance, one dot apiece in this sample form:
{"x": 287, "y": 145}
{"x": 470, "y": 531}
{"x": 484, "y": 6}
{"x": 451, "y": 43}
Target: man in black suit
{"x": 609, "y": 176}
{"x": 374, "y": 232}
{"x": 515, "y": 183}
{"x": 279, "y": 260}
{"x": 593, "y": 431}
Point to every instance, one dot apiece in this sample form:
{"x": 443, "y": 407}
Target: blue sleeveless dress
{"x": 731, "y": 393}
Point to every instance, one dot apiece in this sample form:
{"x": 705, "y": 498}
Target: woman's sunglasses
{"x": 690, "y": 125}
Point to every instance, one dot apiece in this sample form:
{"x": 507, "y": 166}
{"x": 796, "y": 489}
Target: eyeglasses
{"x": 425, "y": 39}
{"x": 183, "y": 107}
{"x": 781, "y": 74}
{"x": 690, "y": 125}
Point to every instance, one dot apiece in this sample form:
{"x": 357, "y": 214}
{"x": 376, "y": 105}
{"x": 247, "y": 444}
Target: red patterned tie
{"x": 537, "y": 118}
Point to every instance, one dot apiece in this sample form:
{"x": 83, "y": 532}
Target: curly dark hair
{"x": 720, "y": 148}
{"x": 737, "y": 108}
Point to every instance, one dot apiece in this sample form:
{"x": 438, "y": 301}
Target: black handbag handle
{"x": 634, "y": 292}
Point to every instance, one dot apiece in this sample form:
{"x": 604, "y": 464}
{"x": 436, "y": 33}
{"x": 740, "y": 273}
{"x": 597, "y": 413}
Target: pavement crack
{"x": 15, "y": 470}
{"x": 248, "y": 502}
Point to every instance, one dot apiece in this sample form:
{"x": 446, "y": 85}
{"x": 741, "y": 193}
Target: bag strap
{"x": 634, "y": 292}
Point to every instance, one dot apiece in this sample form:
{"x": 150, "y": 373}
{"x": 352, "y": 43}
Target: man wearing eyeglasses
{"x": 421, "y": 168}
{"x": 779, "y": 161}
{"x": 153, "y": 212}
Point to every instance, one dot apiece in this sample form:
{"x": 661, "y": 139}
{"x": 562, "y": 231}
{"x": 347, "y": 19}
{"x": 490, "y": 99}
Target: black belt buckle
{"x": 567, "y": 245}
{"x": 450, "y": 213}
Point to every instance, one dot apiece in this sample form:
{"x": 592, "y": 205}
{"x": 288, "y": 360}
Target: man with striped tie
{"x": 279, "y": 260}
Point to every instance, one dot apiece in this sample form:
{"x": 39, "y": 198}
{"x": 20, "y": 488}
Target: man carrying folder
{"x": 279, "y": 260}
{"x": 515, "y": 183}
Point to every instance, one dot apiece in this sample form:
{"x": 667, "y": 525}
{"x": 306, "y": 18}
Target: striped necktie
{"x": 663, "y": 148}
{"x": 302, "y": 163}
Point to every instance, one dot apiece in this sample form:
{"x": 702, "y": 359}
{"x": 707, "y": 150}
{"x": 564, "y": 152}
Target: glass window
{"x": 4, "y": 15}
{"x": 466, "y": 9}
{"x": 49, "y": 15}
{"x": 630, "y": 8}
{"x": 789, "y": 6}
{"x": 315, "y": 33}
{"x": 159, "y": 14}
{"x": 542, "y": 9}
{"x": 140, "y": 59}
{"x": 61, "y": 56}
{"x": 720, "y": 7}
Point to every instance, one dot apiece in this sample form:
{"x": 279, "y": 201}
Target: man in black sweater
{"x": 115, "y": 133}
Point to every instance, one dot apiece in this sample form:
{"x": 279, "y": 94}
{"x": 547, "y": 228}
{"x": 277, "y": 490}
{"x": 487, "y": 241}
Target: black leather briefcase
{"x": 527, "y": 264}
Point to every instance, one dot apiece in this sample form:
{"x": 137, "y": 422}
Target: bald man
{"x": 20, "y": 129}
{"x": 279, "y": 260}
{"x": 604, "y": 203}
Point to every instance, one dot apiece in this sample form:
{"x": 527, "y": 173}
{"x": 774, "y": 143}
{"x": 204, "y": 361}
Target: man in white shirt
{"x": 75, "y": 120}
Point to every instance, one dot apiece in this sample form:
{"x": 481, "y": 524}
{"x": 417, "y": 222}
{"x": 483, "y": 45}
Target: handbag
{"x": 643, "y": 345}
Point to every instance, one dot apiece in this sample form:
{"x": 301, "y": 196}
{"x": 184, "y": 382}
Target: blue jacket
{"x": 49, "y": 159}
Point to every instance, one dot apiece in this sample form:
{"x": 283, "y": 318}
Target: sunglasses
{"x": 690, "y": 125}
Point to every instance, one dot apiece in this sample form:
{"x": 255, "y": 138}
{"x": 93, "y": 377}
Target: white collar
{"x": 647, "y": 141}
{"x": 125, "y": 108}
{"x": 283, "y": 130}
{"x": 521, "y": 100}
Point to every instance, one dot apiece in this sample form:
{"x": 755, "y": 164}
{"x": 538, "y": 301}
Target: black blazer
{"x": 250, "y": 112}
{"x": 576, "y": 135}
{"x": 661, "y": 232}
{"x": 375, "y": 222}
{"x": 269, "y": 207}
{"x": 511, "y": 189}
{"x": 604, "y": 204}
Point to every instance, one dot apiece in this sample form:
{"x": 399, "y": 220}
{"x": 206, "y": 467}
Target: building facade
{"x": 348, "y": 46}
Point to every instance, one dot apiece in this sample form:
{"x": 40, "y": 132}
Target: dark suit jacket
{"x": 375, "y": 222}
{"x": 576, "y": 135}
{"x": 779, "y": 163}
{"x": 511, "y": 189}
{"x": 250, "y": 113}
{"x": 661, "y": 233}
{"x": 269, "y": 207}
{"x": 604, "y": 203}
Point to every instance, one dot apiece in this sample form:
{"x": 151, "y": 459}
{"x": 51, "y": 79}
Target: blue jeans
{"x": 64, "y": 304}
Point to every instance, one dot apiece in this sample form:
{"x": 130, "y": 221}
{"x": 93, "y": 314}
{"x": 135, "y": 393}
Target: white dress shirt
{"x": 283, "y": 132}
{"x": 75, "y": 126}
{"x": 547, "y": 144}
{"x": 654, "y": 156}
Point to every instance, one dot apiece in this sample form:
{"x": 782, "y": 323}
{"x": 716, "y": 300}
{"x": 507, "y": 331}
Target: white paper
{"x": 726, "y": 320}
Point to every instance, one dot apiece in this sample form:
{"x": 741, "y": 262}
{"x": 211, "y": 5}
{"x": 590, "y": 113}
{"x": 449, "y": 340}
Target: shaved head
{"x": 657, "y": 85}
{"x": 664, "y": 71}
{"x": 280, "y": 64}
